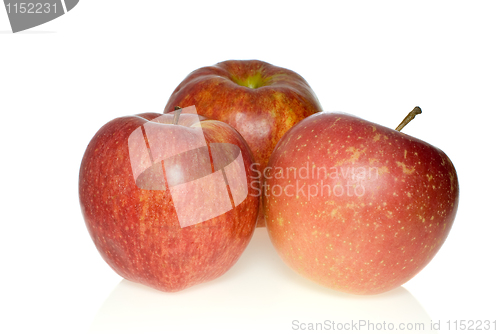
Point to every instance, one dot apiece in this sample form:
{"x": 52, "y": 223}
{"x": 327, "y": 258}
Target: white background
{"x": 60, "y": 82}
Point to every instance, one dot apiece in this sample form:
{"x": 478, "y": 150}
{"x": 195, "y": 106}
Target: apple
{"x": 356, "y": 206}
{"x": 258, "y": 99}
{"x": 166, "y": 197}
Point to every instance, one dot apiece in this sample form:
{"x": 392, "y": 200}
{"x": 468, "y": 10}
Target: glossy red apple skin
{"x": 260, "y": 100}
{"x": 386, "y": 230}
{"x": 137, "y": 232}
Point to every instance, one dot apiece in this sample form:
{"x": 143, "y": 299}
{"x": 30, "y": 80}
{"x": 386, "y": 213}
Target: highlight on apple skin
{"x": 356, "y": 206}
{"x": 261, "y": 101}
{"x": 165, "y": 198}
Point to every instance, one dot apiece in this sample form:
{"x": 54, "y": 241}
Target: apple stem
{"x": 409, "y": 117}
{"x": 177, "y": 113}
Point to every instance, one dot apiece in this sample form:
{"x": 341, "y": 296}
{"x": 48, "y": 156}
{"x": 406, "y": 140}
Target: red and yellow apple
{"x": 356, "y": 206}
{"x": 166, "y": 198}
{"x": 258, "y": 99}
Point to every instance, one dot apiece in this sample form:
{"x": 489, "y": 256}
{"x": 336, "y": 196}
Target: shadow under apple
{"x": 259, "y": 294}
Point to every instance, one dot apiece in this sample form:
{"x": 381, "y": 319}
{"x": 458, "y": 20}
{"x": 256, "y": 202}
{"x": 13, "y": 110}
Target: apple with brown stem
{"x": 165, "y": 197}
{"x": 356, "y": 206}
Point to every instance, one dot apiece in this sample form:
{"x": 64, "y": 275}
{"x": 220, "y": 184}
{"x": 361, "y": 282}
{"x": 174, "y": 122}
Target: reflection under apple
{"x": 258, "y": 294}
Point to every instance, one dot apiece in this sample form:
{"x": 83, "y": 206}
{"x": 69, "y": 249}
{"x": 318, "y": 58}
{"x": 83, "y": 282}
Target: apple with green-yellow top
{"x": 261, "y": 101}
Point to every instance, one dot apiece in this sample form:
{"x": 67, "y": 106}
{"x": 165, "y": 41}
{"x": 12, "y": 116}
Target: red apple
{"x": 356, "y": 206}
{"x": 166, "y": 198}
{"x": 258, "y": 99}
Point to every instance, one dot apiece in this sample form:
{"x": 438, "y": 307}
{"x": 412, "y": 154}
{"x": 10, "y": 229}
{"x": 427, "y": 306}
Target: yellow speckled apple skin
{"x": 383, "y": 228}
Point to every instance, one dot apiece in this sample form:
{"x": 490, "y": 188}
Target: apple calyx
{"x": 411, "y": 115}
{"x": 252, "y": 81}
